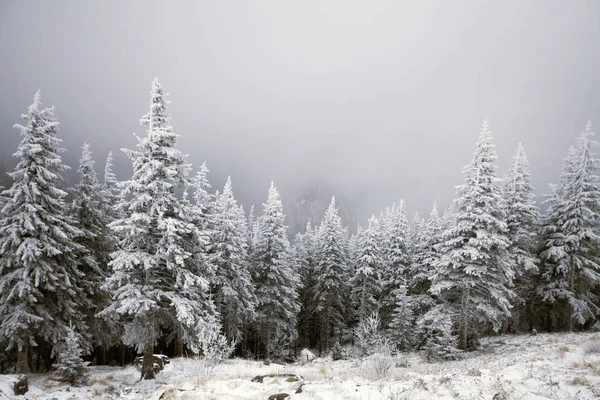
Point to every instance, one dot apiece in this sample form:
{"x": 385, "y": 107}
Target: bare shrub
{"x": 592, "y": 347}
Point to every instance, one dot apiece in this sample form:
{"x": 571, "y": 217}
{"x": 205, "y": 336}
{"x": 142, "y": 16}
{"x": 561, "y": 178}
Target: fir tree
{"x": 158, "y": 280}
{"x": 473, "y": 272}
{"x": 232, "y": 284}
{"x": 395, "y": 254}
{"x": 275, "y": 281}
{"x": 366, "y": 283}
{"x": 92, "y": 214}
{"x": 401, "y": 328}
{"x": 70, "y": 367}
{"x": 40, "y": 283}
{"x": 304, "y": 260}
{"x": 523, "y": 223}
{"x": 571, "y": 269}
{"x": 332, "y": 288}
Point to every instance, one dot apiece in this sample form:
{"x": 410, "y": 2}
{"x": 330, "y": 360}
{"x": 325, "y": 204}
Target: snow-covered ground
{"x": 555, "y": 366}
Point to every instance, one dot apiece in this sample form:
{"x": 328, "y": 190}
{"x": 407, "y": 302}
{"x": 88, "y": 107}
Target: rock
{"x": 258, "y": 379}
{"x": 299, "y": 390}
{"x": 533, "y": 332}
{"x": 307, "y": 356}
{"x": 279, "y": 396}
{"x": 499, "y": 396}
{"x": 473, "y": 372}
{"x": 267, "y": 362}
{"x": 21, "y": 385}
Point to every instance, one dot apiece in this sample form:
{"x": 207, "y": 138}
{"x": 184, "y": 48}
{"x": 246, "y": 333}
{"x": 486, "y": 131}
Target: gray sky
{"x": 382, "y": 99}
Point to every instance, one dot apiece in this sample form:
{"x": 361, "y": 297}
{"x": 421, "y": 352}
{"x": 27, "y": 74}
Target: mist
{"x": 371, "y": 101}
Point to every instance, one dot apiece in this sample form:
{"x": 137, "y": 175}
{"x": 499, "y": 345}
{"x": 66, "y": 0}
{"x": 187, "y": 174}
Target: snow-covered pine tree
{"x": 157, "y": 279}
{"x": 70, "y": 367}
{"x": 110, "y": 187}
{"x": 366, "y": 282}
{"x": 395, "y": 260}
{"x": 401, "y": 327}
{"x": 571, "y": 264}
{"x": 275, "y": 280}
{"x": 423, "y": 266}
{"x": 40, "y": 290}
{"x": 303, "y": 251}
{"x": 474, "y": 273}
{"x": 232, "y": 285}
{"x": 332, "y": 288}
{"x": 92, "y": 214}
{"x": 203, "y": 200}
{"x": 523, "y": 224}
{"x": 435, "y": 335}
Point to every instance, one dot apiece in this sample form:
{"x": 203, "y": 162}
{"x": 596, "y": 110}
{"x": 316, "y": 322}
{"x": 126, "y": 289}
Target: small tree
{"x": 71, "y": 368}
{"x": 435, "y": 331}
{"x": 213, "y": 345}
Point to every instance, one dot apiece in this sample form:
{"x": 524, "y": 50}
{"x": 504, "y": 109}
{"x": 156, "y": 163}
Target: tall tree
{"x": 158, "y": 281}
{"x": 423, "y": 266}
{"x": 474, "y": 272}
{"x": 332, "y": 288}
{"x": 92, "y": 213}
{"x": 234, "y": 293}
{"x": 366, "y": 282}
{"x": 275, "y": 281}
{"x": 523, "y": 224}
{"x": 395, "y": 254}
{"x": 303, "y": 251}
{"x": 40, "y": 290}
{"x": 571, "y": 263}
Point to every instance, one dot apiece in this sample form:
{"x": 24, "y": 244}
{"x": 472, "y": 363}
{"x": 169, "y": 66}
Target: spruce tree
{"x": 232, "y": 286}
{"x": 395, "y": 254}
{"x": 303, "y": 251}
{"x": 332, "y": 288}
{"x": 474, "y": 272}
{"x": 158, "y": 280}
{"x": 366, "y": 282}
{"x": 70, "y": 367}
{"x": 92, "y": 215}
{"x": 523, "y": 224}
{"x": 40, "y": 282}
{"x": 275, "y": 281}
{"x": 571, "y": 263}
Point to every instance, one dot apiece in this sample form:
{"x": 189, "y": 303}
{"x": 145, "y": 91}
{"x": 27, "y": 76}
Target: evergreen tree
{"x": 40, "y": 283}
{"x": 91, "y": 214}
{"x": 395, "y": 253}
{"x": 401, "y": 329}
{"x": 571, "y": 269}
{"x": 70, "y": 367}
{"x": 304, "y": 260}
{"x": 423, "y": 266}
{"x": 366, "y": 283}
{"x": 234, "y": 293}
{"x": 275, "y": 281}
{"x": 523, "y": 223}
{"x": 473, "y": 272}
{"x": 111, "y": 190}
{"x": 332, "y": 288}
{"x": 158, "y": 280}
{"x": 435, "y": 334}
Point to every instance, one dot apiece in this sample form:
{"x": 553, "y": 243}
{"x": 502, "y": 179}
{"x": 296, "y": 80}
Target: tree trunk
{"x": 148, "y": 362}
{"x": 572, "y": 289}
{"x": 178, "y": 350}
{"x": 463, "y": 327}
{"x": 23, "y": 360}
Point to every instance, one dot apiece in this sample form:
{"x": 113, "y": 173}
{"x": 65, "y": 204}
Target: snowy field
{"x": 555, "y": 366}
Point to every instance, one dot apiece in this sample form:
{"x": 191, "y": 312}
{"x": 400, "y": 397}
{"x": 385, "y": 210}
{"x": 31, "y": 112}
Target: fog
{"x": 375, "y": 101}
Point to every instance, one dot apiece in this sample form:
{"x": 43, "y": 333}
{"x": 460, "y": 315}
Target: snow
{"x": 546, "y": 366}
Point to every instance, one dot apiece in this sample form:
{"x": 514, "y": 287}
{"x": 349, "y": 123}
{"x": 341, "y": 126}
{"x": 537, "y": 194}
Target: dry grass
{"x": 98, "y": 381}
{"x": 48, "y": 383}
{"x": 592, "y": 347}
{"x": 563, "y": 350}
{"x": 580, "y": 381}
{"x": 97, "y": 391}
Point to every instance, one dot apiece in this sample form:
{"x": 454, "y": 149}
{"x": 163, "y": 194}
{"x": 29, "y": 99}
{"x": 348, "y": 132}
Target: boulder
{"x": 279, "y": 396}
{"x": 21, "y": 385}
{"x": 307, "y": 356}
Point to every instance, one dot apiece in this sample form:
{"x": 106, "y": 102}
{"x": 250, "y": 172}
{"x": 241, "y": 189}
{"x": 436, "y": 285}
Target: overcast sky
{"x": 383, "y": 99}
